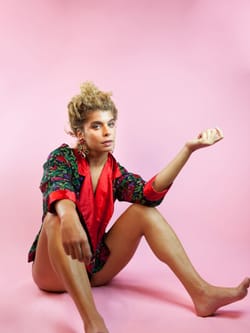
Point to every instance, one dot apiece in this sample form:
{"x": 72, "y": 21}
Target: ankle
{"x": 199, "y": 290}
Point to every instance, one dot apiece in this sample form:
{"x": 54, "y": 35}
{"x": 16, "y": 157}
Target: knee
{"x": 144, "y": 216}
{"x": 144, "y": 211}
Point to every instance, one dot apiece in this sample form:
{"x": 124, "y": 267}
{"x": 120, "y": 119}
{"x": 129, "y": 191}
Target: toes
{"x": 246, "y": 283}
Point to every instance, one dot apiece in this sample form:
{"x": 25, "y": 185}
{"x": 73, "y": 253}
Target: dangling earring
{"x": 82, "y": 148}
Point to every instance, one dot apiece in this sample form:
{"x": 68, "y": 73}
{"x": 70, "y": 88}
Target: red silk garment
{"x": 97, "y": 208}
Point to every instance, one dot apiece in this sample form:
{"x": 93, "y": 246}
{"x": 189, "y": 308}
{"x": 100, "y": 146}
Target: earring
{"x": 82, "y": 148}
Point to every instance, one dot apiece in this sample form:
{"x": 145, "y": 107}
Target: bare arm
{"x": 74, "y": 237}
{"x": 167, "y": 175}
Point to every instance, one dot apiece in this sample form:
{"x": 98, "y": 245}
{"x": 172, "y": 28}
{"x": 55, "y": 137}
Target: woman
{"x": 72, "y": 251}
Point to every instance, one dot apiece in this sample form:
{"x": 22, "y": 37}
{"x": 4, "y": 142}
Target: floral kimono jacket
{"x": 67, "y": 176}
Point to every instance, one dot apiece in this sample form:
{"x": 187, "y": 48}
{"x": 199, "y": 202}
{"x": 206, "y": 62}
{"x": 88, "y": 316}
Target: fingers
{"x": 86, "y": 252}
{"x": 219, "y": 133}
{"x": 79, "y": 251}
{"x": 215, "y": 134}
{"x": 211, "y": 135}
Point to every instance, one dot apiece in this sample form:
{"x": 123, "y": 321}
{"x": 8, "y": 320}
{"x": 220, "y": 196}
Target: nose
{"x": 106, "y": 130}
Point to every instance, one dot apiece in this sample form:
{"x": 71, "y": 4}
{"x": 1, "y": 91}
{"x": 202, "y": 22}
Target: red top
{"x": 97, "y": 208}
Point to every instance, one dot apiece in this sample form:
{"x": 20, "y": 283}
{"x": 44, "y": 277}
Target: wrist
{"x": 189, "y": 148}
{"x": 65, "y": 208}
{"x": 69, "y": 218}
{"x": 65, "y": 218}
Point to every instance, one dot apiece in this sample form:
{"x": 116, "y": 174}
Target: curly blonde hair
{"x": 90, "y": 99}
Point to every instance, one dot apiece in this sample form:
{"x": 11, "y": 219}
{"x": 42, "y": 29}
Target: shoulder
{"x": 63, "y": 156}
{"x": 62, "y": 149}
{"x": 65, "y": 152}
{"x": 117, "y": 165}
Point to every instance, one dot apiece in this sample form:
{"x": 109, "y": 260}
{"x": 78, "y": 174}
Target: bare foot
{"x": 213, "y": 298}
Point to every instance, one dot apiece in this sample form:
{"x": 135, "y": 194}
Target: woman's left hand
{"x": 205, "y": 139}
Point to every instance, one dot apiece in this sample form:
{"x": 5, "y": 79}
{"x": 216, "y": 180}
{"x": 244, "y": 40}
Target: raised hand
{"x": 205, "y": 139}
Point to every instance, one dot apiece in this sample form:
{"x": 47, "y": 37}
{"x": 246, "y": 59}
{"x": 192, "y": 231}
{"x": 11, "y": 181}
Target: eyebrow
{"x": 98, "y": 122}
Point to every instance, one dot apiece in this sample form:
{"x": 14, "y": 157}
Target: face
{"x": 99, "y": 132}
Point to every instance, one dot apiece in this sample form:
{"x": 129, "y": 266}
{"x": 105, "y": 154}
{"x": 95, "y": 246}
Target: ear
{"x": 79, "y": 134}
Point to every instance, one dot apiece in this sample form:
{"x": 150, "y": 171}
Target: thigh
{"x": 122, "y": 241}
{"x": 42, "y": 270}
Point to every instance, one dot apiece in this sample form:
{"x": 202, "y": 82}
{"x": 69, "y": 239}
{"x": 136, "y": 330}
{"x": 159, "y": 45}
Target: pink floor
{"x": 145, "y": 297}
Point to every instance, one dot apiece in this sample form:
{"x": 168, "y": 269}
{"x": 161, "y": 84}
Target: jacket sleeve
{"x": 56, "y": 183}
{"x": 133, "y": 188}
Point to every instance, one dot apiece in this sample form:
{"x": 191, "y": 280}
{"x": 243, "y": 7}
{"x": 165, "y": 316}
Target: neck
{"x": 97, "y": 159}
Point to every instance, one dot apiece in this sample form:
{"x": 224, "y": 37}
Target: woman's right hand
{"x": 74, "y": 238}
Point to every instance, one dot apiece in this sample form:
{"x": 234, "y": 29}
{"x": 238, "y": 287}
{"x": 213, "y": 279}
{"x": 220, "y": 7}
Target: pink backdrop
{"x": 175, "y": 68}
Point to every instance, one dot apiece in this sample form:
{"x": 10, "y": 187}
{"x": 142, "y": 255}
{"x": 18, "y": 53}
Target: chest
{"x": 95, "y": 173}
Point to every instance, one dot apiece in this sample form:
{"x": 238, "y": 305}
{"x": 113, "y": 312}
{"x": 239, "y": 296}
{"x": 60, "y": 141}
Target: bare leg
{"x": 54, "y": 271}
{"x": 139, "y": 221}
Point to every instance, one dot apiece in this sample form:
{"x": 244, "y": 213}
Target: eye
{"x": 96, "y": 126}
{"x": 111, "y": 124}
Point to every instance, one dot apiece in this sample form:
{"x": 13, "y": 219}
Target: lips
{"x": 107, "y": 143}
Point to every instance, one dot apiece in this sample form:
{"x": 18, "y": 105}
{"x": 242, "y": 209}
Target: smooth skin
{"x": 63, "y": 247}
